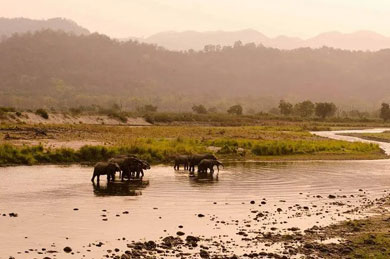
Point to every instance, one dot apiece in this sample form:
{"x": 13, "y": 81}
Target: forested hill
{"x": 9, "y": 26}
{"x": 57, "y": 69}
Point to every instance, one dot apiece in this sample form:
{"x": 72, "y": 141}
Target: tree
{"x": 285, "y": 108}
{"x": 304, "y": 109}
{"x": 385, "y": 111}
{"x": 200, "y": 109}
{"x": 235, "y": 109}
{"x": 324, "y": 110}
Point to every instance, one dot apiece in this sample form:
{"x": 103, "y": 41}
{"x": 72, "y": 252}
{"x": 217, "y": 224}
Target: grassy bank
{"x": 158, "y": 144}
{"x": 381, "y": 137}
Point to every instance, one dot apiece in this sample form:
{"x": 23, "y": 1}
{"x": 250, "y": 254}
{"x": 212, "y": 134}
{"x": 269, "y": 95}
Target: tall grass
{"x": 163, "y": 150}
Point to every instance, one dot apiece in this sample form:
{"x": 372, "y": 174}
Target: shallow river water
{"x": 59, "y": 206}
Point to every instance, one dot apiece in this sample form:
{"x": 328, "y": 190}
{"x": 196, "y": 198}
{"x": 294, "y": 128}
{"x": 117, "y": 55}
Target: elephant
{"x": 181, "y": 160}
{"x": 105, "y": 168}
{"x": 120, "y": 159}
{"x": 195, "y": 160}
{"x": 208, "y": 164}
{"x": 144, "y": 166}
{"x": 133, "y": 167}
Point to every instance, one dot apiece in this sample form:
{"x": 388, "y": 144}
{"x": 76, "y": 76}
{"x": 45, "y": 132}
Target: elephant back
{"x": 196, "y": 159}
{"x": 182, "y": 158}
{"x": 132, "y": 163}
{"x": 118, "y": 160}
{"x": 101, "y": 167}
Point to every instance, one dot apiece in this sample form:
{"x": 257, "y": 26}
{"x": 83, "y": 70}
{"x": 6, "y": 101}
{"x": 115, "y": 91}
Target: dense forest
{"x": 55, "y": 69}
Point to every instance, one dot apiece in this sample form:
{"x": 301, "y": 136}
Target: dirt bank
{"x": 59, "y": 118}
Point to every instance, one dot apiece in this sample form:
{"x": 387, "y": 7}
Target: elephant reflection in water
{"x": 119, "y": 189}
{"x": 203, "y": 178}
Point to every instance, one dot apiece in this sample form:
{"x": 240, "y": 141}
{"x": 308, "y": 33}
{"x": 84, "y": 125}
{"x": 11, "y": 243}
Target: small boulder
{"x": 67, "y": 249}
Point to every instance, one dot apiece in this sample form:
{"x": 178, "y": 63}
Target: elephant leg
{"x": 93, "y": 177}
{"x": 98, "y": 178}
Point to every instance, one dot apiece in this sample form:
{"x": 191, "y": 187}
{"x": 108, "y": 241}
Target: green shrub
{"x": 43, "y": 113}
{"x": 118, "y": 116}
{"x": 7, "y": 109}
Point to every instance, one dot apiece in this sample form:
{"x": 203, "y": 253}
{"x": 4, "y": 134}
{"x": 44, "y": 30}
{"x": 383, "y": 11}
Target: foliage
{"x": 304, "y": 109}
{"x": 43, "y": 113}
{"x": 324, "y": 110}
{"x": 385, "y": 111}
{"x": 121, "y": 116}
{"x": 77, "y": 70}
{"x": 235, "y": 109}
{"x": 7, "y": 109}
{"x": 200, "y": 109}
{"x": 285, "y": 108}
{"x": 160, "y": 144}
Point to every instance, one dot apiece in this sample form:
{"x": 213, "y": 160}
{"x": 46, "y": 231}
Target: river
{"x": 58, "y": 206}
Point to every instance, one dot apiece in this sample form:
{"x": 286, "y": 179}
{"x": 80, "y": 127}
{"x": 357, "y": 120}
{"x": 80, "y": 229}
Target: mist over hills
{"x": 360, "y": 40}
{"x": 57, "y": 69}
{"x": 9, "y": 26}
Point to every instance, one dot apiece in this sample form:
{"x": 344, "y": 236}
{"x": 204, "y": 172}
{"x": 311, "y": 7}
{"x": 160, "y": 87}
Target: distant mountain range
{"x": 360, "y": 40}
{"x": 9, "y": 26}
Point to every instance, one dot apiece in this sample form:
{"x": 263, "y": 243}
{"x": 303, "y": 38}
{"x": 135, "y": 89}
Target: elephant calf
{"x": 104, "y": 168}
{"x": 208, "y": 164}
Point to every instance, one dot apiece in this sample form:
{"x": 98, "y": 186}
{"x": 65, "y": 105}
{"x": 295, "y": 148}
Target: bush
{"x": 43, "y": 113}
{"x": 200, "y": 109}
{"x": 7, "y": 109}
{"x": 118, "y": 116}
{"x": 235, "y": 109}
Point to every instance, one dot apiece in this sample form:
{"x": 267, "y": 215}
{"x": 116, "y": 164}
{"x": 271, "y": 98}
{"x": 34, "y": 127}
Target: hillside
{"x": 22, "y": 25}
{"x": 360, "y": 40}
{"x": 56, "y": 69}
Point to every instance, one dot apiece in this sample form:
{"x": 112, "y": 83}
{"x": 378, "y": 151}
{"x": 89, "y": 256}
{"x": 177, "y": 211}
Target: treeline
{"x": 235, "y": 115}
{"x": 55, "y": 69}
{"x": 308, "y": 109}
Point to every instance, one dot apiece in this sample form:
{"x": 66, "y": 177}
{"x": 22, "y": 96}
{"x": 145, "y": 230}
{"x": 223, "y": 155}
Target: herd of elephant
{"x": 203, "y": 162}
{"x": 131, "y": 167}
{"x": 128, "y": 166}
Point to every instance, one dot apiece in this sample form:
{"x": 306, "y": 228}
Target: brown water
{"x": 44, "y": 197}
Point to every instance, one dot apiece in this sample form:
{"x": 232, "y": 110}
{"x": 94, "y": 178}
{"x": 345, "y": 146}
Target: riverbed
{"x": 57, "y": 207}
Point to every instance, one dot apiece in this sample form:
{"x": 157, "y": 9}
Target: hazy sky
{"x": 123, "y": 18}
